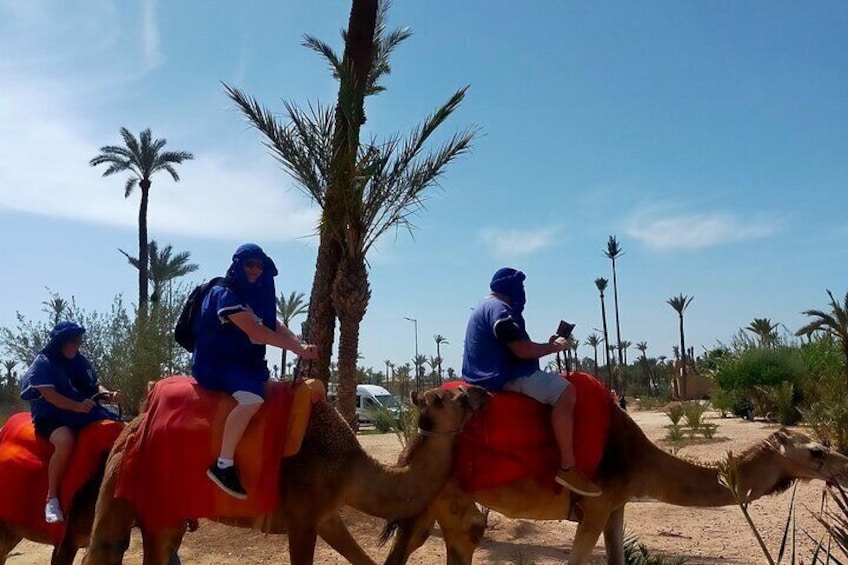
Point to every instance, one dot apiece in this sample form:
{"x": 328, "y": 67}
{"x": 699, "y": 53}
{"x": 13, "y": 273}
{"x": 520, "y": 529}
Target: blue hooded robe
{"x": 73, "y": 378}
{"x": 224, "y": 358}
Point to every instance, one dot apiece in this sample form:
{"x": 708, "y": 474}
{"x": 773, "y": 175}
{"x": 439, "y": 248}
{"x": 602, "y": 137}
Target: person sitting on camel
{"x": 59, "y": 386}
{"x": 499, "y": 355}
{"x": 237, "y": 319}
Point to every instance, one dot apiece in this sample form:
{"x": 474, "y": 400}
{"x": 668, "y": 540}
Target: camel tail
{"x": 388, "y": 532}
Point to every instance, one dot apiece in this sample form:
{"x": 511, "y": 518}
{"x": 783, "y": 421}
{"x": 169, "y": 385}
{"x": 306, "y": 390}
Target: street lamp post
{"x": 417, "y": 368}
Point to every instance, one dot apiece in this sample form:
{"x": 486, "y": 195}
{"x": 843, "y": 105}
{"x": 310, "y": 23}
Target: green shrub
{"x": 384, "y": 420}
{"x": 675, "y": 433}
{"x": 674, "y": 411}
{"x": 693, "y": 413}
{"x": 709, "y": 430}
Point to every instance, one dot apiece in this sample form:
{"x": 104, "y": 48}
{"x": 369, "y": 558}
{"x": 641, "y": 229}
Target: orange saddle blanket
{"x": 163, "y": 473}
{"x": 23, "y": 471}
{"x": 512, "y": 438}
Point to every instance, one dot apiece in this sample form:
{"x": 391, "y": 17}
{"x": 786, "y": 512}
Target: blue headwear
{"x": 510, "y": 283}
{"x": 79, "y": 369}
{"x": 61, "y": 333}
{"x": 261, "y": 296}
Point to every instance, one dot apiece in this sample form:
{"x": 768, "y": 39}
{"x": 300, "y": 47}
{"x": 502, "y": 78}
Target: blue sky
{"x": 710, "y": 137}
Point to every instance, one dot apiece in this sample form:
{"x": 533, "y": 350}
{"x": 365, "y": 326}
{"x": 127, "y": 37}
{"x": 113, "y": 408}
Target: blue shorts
{"x": 541, "y": 385}
{"x": 46, "y": 425}
{"x": 234, "y": 379}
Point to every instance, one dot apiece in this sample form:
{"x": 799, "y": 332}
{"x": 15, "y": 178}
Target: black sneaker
{"x": 227, "y": 480}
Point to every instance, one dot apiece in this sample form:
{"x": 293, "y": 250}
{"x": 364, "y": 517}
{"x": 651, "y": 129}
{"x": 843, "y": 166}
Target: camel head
{"x": 803, "y": 458}
{"x": 446, "y": 411}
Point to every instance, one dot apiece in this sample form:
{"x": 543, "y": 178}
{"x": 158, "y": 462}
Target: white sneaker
{"x": 53, "y": 512}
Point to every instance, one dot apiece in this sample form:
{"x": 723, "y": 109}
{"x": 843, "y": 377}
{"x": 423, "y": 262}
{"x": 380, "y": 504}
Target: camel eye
{"x": 818, "y": 452}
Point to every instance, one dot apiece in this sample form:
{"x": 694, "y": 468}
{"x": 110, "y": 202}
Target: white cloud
{"x": 512, "y": 243}
{"x": 150, "y": 34}
{"x": 668, "y": 231}
{"x": 46, "y": 141}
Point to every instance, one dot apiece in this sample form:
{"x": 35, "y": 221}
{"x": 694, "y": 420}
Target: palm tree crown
{"x": 142, "y": 158}
{"x": 834, "y": 323}
{"x": 613, "y": 252}
{"x": 680, "y": 303}
{"x": 764, "y": 330}
{"x": 164, "y": 266}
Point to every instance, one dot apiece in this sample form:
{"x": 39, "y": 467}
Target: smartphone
{"x": 564, "y": 329}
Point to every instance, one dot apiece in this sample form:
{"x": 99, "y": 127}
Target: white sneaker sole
{"x": 224, "y": 487}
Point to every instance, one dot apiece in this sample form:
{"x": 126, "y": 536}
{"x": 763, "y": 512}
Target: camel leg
{"x": 335, "y": 533}
{"x": 64, "y": 553}
{"x": 588, "y": 531}
{"x": 614, "y": 537}
{"x": 303, "y": 534}
{"x": 411, "y": 534}
{"x": 462, "y": 524}
{"x": 161, "y": 548}
{"x": 8, "y": 540}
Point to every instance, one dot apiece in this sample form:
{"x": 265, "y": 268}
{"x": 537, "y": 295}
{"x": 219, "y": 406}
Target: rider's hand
{"x": 309, "y": 352}
{"x": 117, "y": 396}
{"x": 86, "y": 405}
{"x": 559, "y": 343}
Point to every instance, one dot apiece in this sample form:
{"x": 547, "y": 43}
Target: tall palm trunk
{"x": 143, "y": 251}
{"x": 439, "y": 359}
{"x": 351, "y": 293}
{"x": 621, "y": 361}
{"x": 321, "y": 319}
{"x": 606, "y": 342}
{"x": 595, "y": 347}
{"x": 684, "y": 370}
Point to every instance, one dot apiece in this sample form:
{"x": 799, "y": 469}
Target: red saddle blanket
{"x": 23, "y": 471}
{"x": 163, "y": 473}
{"x": 512, "y": 438}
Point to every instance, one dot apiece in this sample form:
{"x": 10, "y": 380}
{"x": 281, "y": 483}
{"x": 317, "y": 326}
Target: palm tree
{"x": 642, "y": 346}
{"x": 163, "y": 266}
{"x": 602, "y": 283}
{"x": 624, "y": 346}
{"x": 142, "y": 158}
{"x": 11, "y": 379}
{"x": 418, "y": 362}
{"x": 57, "y": 307}
{"x": 287, "y": 310}
{"x": 389, "y": 365}
{"x": 764, "y": 330}
{"x": 680, "y": 303}
{"x": 575, "y": 343}
{"x": 834, "y": 323}
{"x": 440, "y": 339}
{"x": 613, "y": 252}
{"x": 364, "y": 189}
{"x": 594, "y": 340}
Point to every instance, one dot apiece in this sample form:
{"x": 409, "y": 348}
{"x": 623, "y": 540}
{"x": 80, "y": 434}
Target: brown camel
{"x": 632, "y": 467}
{"x": 77, "y": 531}
{"x": 330, "y": 471}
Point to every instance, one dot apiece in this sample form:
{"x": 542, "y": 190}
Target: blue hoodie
{"x": 73, "y": 378}
{"x": 224, "y": 357}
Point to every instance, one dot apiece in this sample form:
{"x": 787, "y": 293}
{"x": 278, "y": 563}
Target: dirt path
{"x": 718, "y": 535}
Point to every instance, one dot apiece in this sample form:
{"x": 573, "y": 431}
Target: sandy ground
{"x": 718, "y": 535}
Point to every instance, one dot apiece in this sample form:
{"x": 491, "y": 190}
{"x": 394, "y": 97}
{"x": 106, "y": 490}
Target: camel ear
{"x": 478, "y": 397}
{"x": 782, "y": 437}
{"x": 413, "y": 397}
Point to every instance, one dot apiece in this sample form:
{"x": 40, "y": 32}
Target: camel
{"x": 78, "y": 530}
{"x": 632, "y": 467}
{"x": 330, "y": 471}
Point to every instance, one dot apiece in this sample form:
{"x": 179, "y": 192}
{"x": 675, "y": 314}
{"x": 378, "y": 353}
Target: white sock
{"x": 224, "y": 463}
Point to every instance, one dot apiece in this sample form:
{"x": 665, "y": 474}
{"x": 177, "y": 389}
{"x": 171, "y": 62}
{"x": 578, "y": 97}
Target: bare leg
{"x": 63, "y": 445}
{"x": 237, "y": 422}
{"x": 562, "y": 420}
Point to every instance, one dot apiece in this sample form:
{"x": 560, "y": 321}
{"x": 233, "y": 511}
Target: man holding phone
{"x": 499, "y": 355}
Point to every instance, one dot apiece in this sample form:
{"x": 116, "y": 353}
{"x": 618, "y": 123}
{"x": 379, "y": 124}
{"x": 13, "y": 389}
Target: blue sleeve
{"x": 41, "y": 373}
{"x": 225, "y": 303}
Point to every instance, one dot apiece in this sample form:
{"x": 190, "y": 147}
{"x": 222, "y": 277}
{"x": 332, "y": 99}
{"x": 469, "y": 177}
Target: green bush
{"x": 762, "y": 367}
{"x": 674, "y": 411}
{"x": 693, "y": 413}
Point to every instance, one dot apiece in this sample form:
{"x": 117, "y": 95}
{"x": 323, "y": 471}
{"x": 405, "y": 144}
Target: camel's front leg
{"x": 410, "y": 535}
{"x": 162, "y": 548}
{"x": 614, "y": 537}
{"x": 462, "y": 524}
{"x": 8, "y": 540}
{"x": 588, "y": 531}
{"x": 333, "y": 531}
{"x": 303, "y": 534}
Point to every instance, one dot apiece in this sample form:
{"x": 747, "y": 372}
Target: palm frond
{"x": 130, "y": 259}
{"x": 174, "y": 157}
{"x": 128, "y": 188}
{"x": 325, "y": 51}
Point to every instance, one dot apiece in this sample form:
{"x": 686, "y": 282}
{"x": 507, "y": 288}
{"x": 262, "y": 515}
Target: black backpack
{"x": 184, "y": 330}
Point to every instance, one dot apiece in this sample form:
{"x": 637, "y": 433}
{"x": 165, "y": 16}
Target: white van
{"x": 370, "y": 398}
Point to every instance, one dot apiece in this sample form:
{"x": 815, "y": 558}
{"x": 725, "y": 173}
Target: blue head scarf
{"x": 79, "y": 369}
{"x": 510, "y": 283}
{"x": 261, "y": 296}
